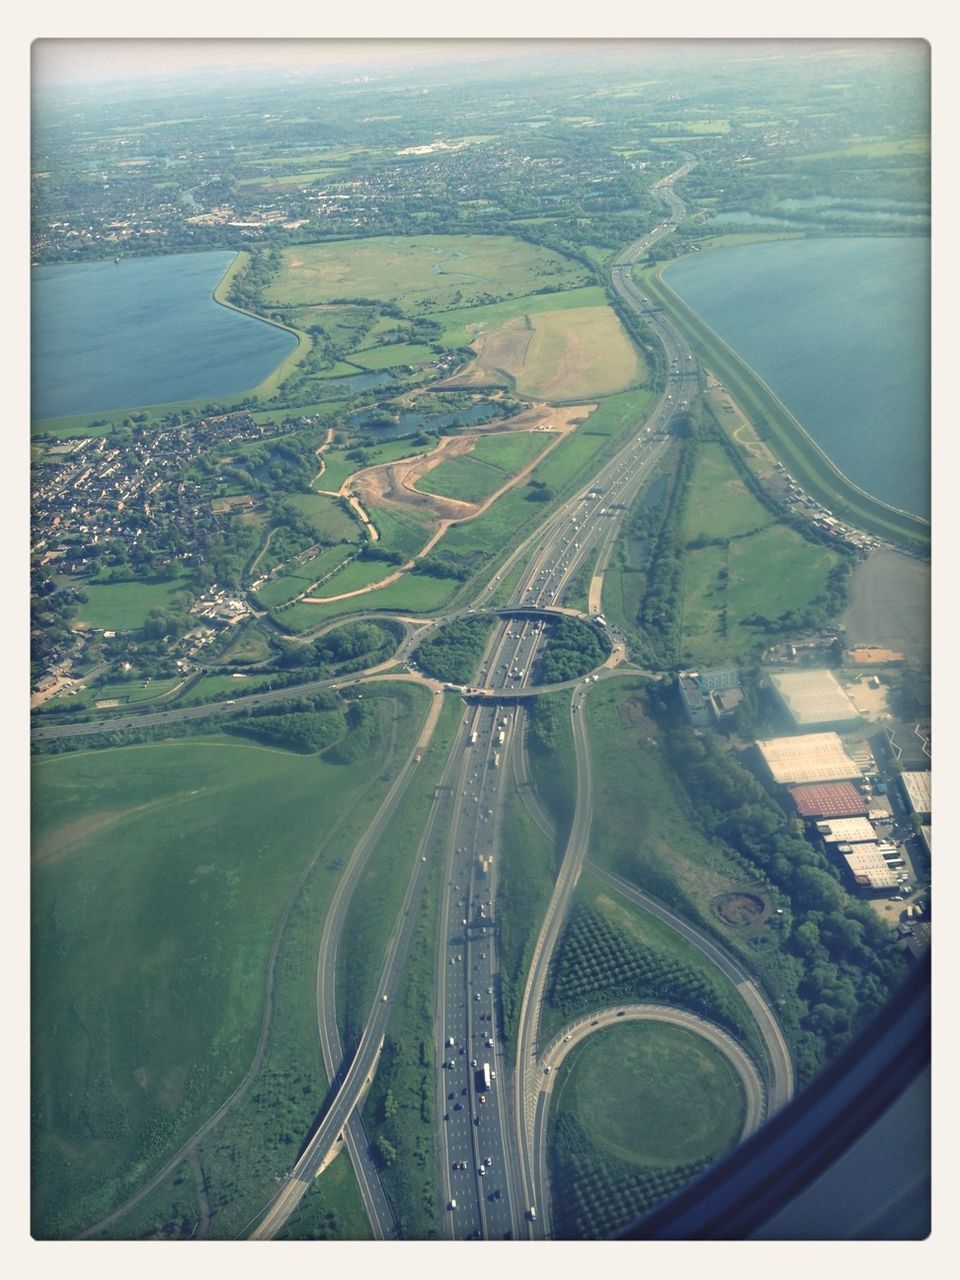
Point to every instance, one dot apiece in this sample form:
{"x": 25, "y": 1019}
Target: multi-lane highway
{"x": 491, "y": 1118}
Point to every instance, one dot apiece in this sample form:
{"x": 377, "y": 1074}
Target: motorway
{"x": 491, "y": 1133}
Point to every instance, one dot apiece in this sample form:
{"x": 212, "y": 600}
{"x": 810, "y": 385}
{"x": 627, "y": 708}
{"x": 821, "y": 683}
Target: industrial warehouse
{"x": 809, "y": 757}
{"x": 813, "y": 699}
{"x": 829, "y": 800}
{"x": 836, "y": 790}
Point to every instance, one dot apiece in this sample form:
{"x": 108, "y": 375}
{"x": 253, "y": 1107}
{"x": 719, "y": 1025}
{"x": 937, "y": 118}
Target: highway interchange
{"x": 492, "y": 1133}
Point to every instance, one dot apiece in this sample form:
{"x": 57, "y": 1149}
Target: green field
{"x": 124, "y": 606}
{"x": 391, "y": 356}
{"x": 511, "y": 450}
{"x": 722, "y": 588}
{"x": 377, "y": 899}
{"x": 719, "y": 504}
{"x": 321, "y": 408}
{"x": 326, "y": 517}
{"x": 358, "y": 573}
{"x": 130, "y": 691}
{"x": 615, "y": 416}
{"x": 873, "y": 148}
{"x": 526, "y": 868}
{"x": 564, "y": 464}
{"x": 298, "y": 577}
{"x": 463, "y": 478}
{"x": 425, "y": 273}
{"x": 339, "y": 324}
{"x": 462, "y": 325}
{"x": 578, "y": 354}
{"x": 159, "y": 875}
{"x": 642, "y": 829}
{"x": 415, "y": 592}
{"x": 337, "y": 467}
{"x": 398, "y": 532}
{"x": 125, "y": 692}
{"x": 213, "y": 686}
{"x": 653, "y": 1094}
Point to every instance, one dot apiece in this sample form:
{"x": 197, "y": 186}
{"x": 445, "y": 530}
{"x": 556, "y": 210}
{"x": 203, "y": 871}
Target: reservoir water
{"x": 412, "y": 421}
{"x": 839, "y": 328}
{"x": 117, "y": 335}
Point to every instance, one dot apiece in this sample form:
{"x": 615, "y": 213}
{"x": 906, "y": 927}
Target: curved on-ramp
{"x": 754, "y": 1089}
{"x": 751, "y": 1081}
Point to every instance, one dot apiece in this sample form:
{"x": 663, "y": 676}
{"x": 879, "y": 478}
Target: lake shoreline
{"x": 807, "y": 461}
{"x": 217, "y": 346}
{"x": 832, "y": 330}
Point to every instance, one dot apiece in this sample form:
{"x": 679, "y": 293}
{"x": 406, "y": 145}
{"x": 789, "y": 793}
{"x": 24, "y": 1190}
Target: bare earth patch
{"x": 391, "y": 485}
{"x": 563, "y": 355}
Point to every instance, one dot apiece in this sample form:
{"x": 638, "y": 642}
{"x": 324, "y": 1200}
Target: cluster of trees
{"x": 597, "y": 963}
{"x": 659, "y": 614}
{"x": 363, "y": 728}
{"x": 348, "y": 648}
{"x": 538, "y": 491}
{"x": 545, "y": 719}
{"x": 597, "y": 1195}
{"x": 572, "y": 649}
{"x": 459, "y": 565}
{"x": 305, "y": 725}
{"x": 847, "y": 962}
{"x": 453, "y": 653}
{"x": 246, "y": 288}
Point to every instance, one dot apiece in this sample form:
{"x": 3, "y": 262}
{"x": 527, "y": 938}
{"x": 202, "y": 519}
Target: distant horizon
{"x": 81, "y": 62}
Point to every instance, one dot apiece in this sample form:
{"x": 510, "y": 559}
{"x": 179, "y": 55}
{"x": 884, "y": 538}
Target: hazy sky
{"x": 95, "y": 61}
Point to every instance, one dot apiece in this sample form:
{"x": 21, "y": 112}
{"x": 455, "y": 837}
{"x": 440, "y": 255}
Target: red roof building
{"x": 829, "y": 800}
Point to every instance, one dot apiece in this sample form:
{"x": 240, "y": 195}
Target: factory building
{"x": 847, "y": 831}
{"x": 916, "y": 791}
{"x": 813, "y": 699}
{"x": 710, "y": 695}
{"x": 829, "y": 800}
{"x": 870, "y": 870}
{"x": 694, "y": 703}
{"x": 810, "y": 757}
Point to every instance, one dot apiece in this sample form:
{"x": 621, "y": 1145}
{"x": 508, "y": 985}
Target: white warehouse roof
{"x": 847, "y": 831}
{"x": 813, "y": 697}
{"x": 809, "y": 757}
{"x": 916, "y": 786}
{"x": 870, "y": 870}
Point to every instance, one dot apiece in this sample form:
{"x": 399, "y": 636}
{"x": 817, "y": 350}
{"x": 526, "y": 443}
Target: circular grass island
{"x": 653, "y": 1095}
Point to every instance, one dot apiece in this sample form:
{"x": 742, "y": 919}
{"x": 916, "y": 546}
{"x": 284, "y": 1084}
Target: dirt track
{"x": 390, "y": 485}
